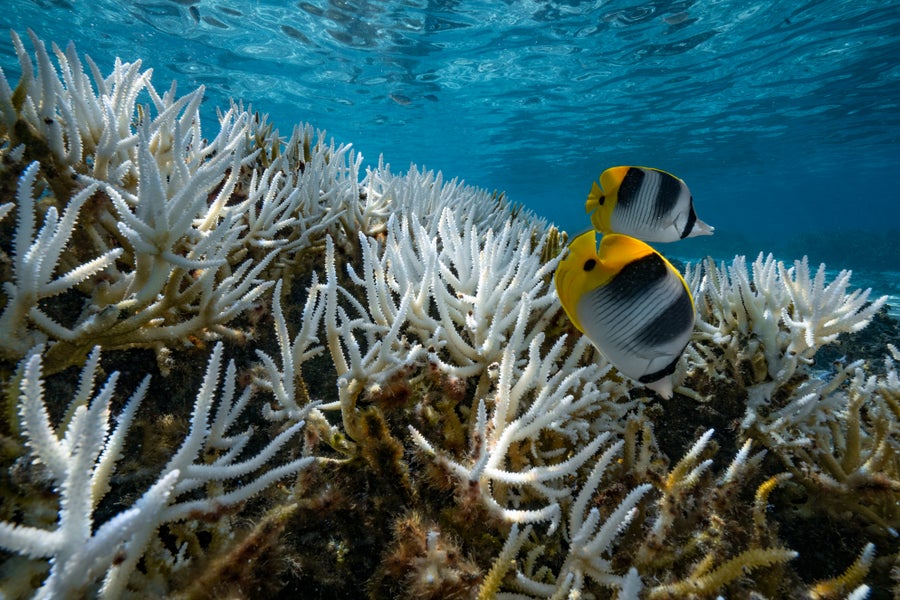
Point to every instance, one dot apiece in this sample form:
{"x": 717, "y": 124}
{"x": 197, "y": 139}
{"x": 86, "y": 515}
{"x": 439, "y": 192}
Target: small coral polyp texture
{"x": 239, "y": 362}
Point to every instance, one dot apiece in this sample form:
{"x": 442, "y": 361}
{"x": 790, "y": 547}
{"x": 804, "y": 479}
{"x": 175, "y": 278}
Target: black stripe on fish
{"x": 630, "y": 187}
{"x": 667, "y": 195}
{"x": 669, "y": 324}
{"x": 692, "y": 218}
{"x": 635, "y": 277}
{"x": 667, "y": 370}
{"x": 631, "y": 303}
{"x": 644, "y": 323}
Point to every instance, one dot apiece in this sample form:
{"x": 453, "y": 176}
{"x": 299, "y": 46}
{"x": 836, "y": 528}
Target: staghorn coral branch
{"x": 822, "y": 312}
{"x": 36, "y": 259}
{"x": 589, "y": 540}
{"x": 510, "y": 424}
{"x": 780, "y": 313}
{"x": 286, "y": 383}
{"x": 850, "y": 581}
{"x": 727, "y": 572}
{"x": 505, "y": 560}
{"x": 82, "y": 459}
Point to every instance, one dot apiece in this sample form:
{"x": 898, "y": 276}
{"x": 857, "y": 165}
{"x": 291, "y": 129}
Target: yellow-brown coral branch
{"x": 761, "y": 501}
{"x": 726, "y": 573}
{"x": 848, "y": 580}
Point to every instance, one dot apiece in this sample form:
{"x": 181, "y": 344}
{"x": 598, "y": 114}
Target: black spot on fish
{"x": 589, "y": 264}
{"x": 601, "y": 199}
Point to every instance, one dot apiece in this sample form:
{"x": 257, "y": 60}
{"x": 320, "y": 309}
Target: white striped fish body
{"x": 631, "y": 303}
{"x": 645, "y": 203}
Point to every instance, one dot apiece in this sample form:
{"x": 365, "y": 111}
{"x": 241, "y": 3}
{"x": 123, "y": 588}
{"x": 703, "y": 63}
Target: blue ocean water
{"x": 782, "y": 116}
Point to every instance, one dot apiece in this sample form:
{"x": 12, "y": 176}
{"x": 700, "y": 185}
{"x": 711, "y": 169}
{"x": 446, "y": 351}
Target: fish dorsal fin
{"x": 584, "y": 244}
{"x": 618, "y": 250}
{"x": 611, "y": 179}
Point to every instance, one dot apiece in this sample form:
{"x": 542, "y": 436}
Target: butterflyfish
{"x": 630, "y": 302}
{"x": 645, "y": 203}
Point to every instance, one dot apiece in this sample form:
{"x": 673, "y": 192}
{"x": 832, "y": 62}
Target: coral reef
{"x": 405, "y": 410}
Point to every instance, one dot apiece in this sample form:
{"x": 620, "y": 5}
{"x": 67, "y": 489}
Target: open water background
{"x": 782, "y": 116}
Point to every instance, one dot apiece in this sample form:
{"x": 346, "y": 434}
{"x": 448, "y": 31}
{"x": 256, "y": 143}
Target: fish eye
{"x": 589, "y": 264}
{"x": 601, "y": 200}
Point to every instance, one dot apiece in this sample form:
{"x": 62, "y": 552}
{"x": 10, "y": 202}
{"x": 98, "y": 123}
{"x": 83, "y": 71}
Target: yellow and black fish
{"x": 630, "y": 302}
{"x": 645, "y": 203}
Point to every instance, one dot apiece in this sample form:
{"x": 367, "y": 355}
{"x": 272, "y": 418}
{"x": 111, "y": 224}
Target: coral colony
{"x": 240, "y": 363}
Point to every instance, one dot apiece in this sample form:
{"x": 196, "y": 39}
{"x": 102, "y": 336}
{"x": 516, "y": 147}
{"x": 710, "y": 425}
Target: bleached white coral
{"x": 79, "y": 125}
{"x": 285, "y": 382}
{"x": 425, "y": 195}
{"x": 36, "y": 259}
{"x": 305, "y": 191}
{"x": 781, "y": 313}
{"x": 589, "y": 540}
{"x": 433, "y": 284}
{"x": 833, "y": 430}
{"x": 80, "y": 461}
{"x": 452, "y": 289}
{"x": 538, "y": 400}
{"x": 819, "y": 313}
{"x": 81, "y": 458}
{"x": 175, "y": 231}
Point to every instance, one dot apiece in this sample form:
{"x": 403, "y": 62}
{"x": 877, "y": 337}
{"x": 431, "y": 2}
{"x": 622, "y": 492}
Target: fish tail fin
{"x": 701, "y": 228}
